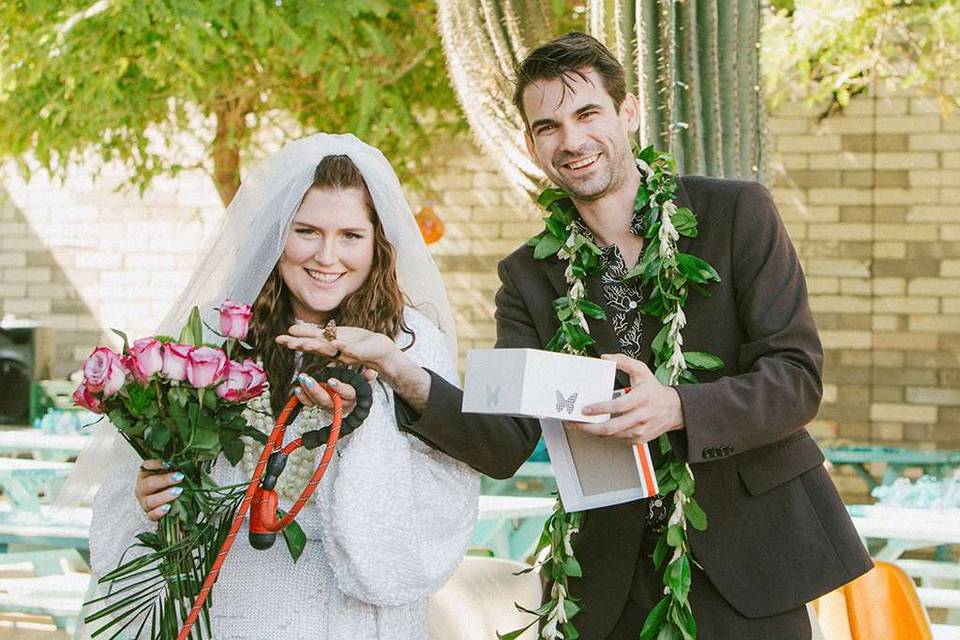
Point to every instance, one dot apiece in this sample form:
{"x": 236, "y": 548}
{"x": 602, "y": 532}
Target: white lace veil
{"x": 238, "y": 259}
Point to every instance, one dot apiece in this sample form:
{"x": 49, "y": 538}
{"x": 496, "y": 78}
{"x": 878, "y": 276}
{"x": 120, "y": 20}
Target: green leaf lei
{"x": 670, "y": 275}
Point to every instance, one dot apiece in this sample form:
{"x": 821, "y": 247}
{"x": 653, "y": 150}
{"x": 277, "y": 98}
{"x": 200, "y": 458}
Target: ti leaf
{"x": 294, "y": 536}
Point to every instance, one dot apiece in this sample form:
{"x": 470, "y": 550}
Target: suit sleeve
{"x": 780, "y": 387}
{"x": 494, "y": 445}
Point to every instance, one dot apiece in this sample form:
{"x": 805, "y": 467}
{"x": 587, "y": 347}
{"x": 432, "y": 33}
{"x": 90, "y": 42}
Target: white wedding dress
{"x": 388, "y": 525}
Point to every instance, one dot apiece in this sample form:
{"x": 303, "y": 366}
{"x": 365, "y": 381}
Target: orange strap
{"x": 272, "y": 445}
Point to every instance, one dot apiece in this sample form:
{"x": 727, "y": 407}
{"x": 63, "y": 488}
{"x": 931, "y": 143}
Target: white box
{"x": 535, "y": 383}
{"x": 595, "y": 472}
{"x": 591, "y": 471}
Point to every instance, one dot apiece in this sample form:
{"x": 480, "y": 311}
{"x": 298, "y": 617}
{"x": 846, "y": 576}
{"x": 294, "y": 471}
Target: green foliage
{"x": 127, "y": 80}
{"x": 824, "y": 52}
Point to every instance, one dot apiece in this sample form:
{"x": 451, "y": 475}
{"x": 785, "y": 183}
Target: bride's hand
{"x": 352, "y": 345}
{"x": 155, "y": 490}
{"x": 310, "y": 393}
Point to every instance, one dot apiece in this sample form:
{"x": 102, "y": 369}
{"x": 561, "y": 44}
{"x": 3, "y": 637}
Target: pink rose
{"x": 83, "y": 397}
{"x": 144, "y": 358}
{"x": 234, "y": 319}
{"x": 175, "y": 359}
{"x": 104, "y": 371}
{"x": 242, "y": 382}
{"x": 206, "y": 366}
{"x": 235, "y": 383}
{"x": 258, "y": 378}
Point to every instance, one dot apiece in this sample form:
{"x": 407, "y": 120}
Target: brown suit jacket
{"x": 778, "y": 534}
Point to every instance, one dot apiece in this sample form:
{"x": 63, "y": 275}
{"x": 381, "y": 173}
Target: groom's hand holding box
{"x": 591, "y": 471}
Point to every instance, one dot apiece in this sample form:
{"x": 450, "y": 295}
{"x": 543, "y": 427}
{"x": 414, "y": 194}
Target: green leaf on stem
{"x": 678, "y": 578}
{"x": 123, "y": 336}
{"x": 550, "y": 196}
{"x": 232, "y": 449}
{"x": 695, "y": 515}
{"x": 655, "y": 619}
{"x": 660, "y": 552}
{"x": 548, "y": 246}
{"x": 696, "y": 269}
{"x": 685, "y": 222}
{"x": 572, "y": 567}
{"x": 674, "y": 535}
{"x": 294, "y": 536}
{"x": 192, "y": 332}
{"x": 702, "y": 361}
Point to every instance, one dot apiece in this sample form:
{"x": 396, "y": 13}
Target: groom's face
{"x": 577, "y": 135}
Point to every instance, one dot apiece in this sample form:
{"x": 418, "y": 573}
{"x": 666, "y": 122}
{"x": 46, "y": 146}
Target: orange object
{"x": 882, "y": 603}
{"x": 431, "y": 226}
{"x": 267, "y": 521}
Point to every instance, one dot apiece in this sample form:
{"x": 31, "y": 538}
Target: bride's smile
{"x": 329, "y": 252}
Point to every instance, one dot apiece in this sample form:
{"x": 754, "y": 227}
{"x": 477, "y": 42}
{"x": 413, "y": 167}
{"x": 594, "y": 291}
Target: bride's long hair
{"x": 376, "y": 306}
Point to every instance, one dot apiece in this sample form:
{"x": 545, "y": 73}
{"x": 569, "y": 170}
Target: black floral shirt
{"x": 623, "y": 298}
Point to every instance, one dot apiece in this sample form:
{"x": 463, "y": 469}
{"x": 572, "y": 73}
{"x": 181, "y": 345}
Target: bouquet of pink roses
{"x": 180, "y": 401}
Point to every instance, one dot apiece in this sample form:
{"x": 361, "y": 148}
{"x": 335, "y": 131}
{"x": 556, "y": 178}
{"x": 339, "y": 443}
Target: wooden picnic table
{"x": 510, "y": 525}
{"x": 906, "y": 528}
{"x": 22, "y": 481}
{"x": 936, "y": 463}
{"x": 40, "y": 445}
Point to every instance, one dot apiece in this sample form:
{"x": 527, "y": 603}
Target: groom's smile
{"x": 577, "y": 135}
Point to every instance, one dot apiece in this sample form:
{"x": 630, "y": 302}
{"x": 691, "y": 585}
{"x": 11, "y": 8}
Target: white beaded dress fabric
{"x": 388, "y": 525}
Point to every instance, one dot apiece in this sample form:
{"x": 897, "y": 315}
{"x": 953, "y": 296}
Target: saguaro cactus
{"x": 695, "y": 66}
{"x": 483, "y": 40}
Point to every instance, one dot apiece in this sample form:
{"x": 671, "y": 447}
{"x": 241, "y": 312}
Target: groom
{"x": 778, "y": 534}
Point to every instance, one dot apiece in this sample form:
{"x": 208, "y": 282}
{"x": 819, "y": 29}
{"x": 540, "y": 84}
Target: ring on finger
{"x": 336, "y": 354}
{"x": 330, "y": 331}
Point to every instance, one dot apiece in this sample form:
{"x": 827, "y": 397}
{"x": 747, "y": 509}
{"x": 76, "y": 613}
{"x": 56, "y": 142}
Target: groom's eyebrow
{"x": 587, "y": 107}
{"x": 541, "y": 122}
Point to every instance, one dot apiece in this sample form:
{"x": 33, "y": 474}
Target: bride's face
{"x": 329, "y": 252}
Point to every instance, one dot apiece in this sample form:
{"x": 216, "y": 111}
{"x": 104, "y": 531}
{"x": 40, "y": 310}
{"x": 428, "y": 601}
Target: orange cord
{"x": 272, "y": 445}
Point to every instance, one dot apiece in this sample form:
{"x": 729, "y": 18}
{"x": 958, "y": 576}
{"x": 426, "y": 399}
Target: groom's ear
{"x": 630, "y": 112}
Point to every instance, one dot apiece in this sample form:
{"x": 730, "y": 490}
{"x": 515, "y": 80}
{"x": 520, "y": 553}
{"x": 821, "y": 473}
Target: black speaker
{"x": 25, "y": 357}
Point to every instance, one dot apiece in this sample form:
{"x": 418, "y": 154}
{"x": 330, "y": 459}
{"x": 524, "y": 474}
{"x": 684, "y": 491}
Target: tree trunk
{"x": 231, "y": 132}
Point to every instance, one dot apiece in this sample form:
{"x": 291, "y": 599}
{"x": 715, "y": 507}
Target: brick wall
{"x": 871, "y": 198}
{"x": 83, "y": 257}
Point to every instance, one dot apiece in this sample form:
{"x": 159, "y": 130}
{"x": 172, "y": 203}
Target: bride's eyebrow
{"x": 315, "y": 228}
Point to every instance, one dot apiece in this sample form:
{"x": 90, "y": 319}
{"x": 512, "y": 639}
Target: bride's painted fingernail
{"x": 305, "y": 380}
{"x": 165, "y": 508}
{"x": 177, "y": 477}
{"x": 176, "y": 491}
{"x": 333, "y": 382}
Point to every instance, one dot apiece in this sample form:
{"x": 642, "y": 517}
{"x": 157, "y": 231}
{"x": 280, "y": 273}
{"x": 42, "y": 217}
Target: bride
{"x": 321, "y": 231}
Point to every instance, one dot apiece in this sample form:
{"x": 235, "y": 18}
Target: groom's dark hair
{"x": 570, "y": 55}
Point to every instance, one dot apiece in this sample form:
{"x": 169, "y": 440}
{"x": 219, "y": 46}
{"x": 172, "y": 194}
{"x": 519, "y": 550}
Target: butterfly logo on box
{"x": 565, "y": 403}
{"x": 493, "y": 396}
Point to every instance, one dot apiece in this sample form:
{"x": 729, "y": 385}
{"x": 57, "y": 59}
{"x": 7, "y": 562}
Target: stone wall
{"x": 871, "y": 198}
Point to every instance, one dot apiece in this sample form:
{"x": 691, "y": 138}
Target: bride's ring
{"x": 330, "y": 331}
{"x": 336, "y": 355}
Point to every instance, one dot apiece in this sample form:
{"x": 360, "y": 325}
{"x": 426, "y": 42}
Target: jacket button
{"x": 708, "y": 453}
